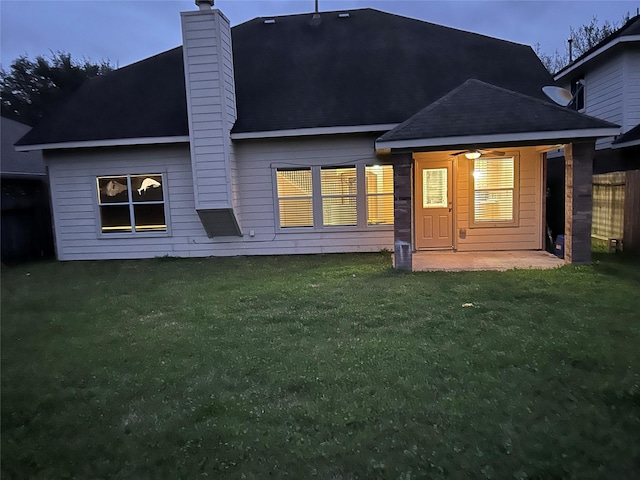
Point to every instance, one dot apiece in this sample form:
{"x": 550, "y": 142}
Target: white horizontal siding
{"x": 73, "y": 185}
{"x": 205, "y": 65}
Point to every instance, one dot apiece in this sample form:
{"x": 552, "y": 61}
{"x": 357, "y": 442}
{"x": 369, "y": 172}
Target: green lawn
{"x": 331, "y": 367}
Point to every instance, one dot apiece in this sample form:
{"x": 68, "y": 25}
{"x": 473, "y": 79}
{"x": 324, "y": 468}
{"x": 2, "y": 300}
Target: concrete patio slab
{"x": 476, "y": 261}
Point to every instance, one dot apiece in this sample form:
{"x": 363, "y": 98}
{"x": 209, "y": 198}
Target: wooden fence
{"x": 616, "y": 209}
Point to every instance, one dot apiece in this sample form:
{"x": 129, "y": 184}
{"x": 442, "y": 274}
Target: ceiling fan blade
{"x": 493, "y": 152}
{"x": 459, "y": 153}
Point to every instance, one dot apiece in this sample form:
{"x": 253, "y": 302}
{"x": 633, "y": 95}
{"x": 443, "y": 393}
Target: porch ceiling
{"x": 478, "y": 114}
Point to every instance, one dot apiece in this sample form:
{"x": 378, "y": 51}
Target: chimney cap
{"x": 204, "y": 4}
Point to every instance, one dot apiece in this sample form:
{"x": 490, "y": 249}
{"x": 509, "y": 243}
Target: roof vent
{"x": 315, "y": 20}
{"x": 344, "y": 15}
{"x": 269, "y": 21}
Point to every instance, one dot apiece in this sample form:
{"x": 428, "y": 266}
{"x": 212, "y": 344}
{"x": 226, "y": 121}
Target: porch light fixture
{"x": 473, "y": 155}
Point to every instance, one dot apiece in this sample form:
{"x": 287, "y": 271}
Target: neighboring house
{"x": 610, "y": 75}
{"x": 26, "y": 217}
{"x": 326, "y": 132}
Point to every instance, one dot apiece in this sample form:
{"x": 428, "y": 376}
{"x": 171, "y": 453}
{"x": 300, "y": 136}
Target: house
{"x": 26, "y": 218}
{"x": 348, "y": 131}
{"x": 609, "y": 74}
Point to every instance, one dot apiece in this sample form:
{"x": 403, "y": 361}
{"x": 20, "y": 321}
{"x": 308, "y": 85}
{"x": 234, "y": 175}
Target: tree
{"x": 30, "y": 88}
{"x": 582, "y": 39}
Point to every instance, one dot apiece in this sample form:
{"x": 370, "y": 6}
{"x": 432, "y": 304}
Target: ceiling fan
{"x": 477, "y": 153}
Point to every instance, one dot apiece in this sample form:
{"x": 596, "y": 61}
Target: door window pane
{"x": 434, "y": 188}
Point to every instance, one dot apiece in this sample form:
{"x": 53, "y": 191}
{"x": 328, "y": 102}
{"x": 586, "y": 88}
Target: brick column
{"x": 402, "y": 245}
{"x": 578, "y": 202}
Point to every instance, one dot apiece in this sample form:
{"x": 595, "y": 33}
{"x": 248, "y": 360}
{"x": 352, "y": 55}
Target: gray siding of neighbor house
{"x": 604, "y": 93}
{"x": 73, "y": 185}
{"x": 632, "y": 90}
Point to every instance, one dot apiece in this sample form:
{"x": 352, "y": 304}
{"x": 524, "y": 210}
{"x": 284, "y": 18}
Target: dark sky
{"x": 125, "y": 31}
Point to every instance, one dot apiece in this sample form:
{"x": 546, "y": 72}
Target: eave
{"x": 574, "y": 66}
{"x": 630, "y": 143}
{"x": 527, "y": 138}
{"x": 307, "y": 132}
{"x": 118, "y": 142}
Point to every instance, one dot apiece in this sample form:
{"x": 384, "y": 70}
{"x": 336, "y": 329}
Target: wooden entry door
{"x": 434, "y": 205}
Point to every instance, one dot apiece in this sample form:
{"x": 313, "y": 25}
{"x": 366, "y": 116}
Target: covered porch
{"x": 470, "y": 181}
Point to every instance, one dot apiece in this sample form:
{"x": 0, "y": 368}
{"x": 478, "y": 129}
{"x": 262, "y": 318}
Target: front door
{"x": 434, "y": 226}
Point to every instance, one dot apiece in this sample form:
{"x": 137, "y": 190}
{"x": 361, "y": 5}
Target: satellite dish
{"x": 561, "y": 96}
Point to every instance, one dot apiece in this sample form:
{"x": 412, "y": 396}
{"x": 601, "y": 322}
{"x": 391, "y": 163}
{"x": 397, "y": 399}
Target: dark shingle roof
{"x": 477, "y": 108}
{"x": 632, "y": 135}
{"x": 145, "y": 99}
{"x": 369, "y": 68}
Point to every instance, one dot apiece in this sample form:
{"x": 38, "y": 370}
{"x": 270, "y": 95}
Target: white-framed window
{"x": 348, "y": 196}
{"x": 131, "y": 204}
{"x": 495, "y": 191}
{"x": 294, "y": 197}
{"x": 379, "y": 185}
{"x": 339, "y": 196}
{"x": 578, "y": 86}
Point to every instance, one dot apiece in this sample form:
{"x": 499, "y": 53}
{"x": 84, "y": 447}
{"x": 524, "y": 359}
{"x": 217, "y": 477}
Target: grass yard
{"x": 330, "y": 367}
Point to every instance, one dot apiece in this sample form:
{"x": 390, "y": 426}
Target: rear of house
{"x": 288, "y": 135}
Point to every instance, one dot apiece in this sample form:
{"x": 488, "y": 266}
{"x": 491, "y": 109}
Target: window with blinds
{"x": 494, "y": 184}
{"x": 339, "y": 190}
{"x": 356, "y": 196}
{"x": 434, "y": 188}
{"x": 379, "y": 185}
{"x": 295, "y": 197}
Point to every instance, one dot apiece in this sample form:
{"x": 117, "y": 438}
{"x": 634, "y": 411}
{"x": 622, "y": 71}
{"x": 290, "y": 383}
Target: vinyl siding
{"x": 76, "y": 216}
{"x": 632, "y": 90}
{"x": 528, "y": 234}
{"x": 211, "y": 107}
{"x": 604, "y": 94}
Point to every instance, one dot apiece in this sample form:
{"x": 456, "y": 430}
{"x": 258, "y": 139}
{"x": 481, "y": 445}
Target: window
{"x": 131, "y": 203}
{"x": 339, "y": 190}
{"x": 335, "y": 196}
{"x": 379, "y": 179}
{"x": 294, "y": 198}
{"x": 434, "y": 188}
{"x": 577, "y": 90}
{"x": 494, "y": 191}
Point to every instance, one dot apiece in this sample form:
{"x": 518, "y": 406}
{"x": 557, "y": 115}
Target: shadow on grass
{"x": 620, "y": 265}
